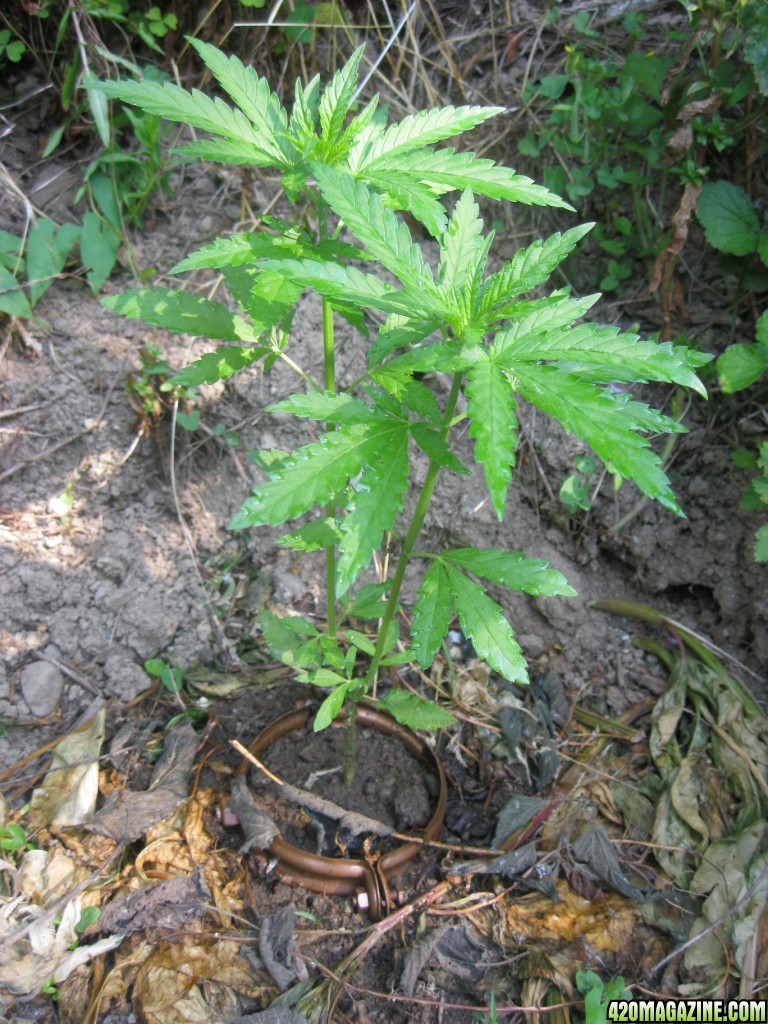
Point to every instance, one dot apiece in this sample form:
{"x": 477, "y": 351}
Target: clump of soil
{"x": 390, "y": 786}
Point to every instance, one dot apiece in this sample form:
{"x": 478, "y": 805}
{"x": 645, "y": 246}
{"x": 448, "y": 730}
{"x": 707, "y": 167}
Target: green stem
{"x": 410, "y": 538}
{"x": 329, "y": 364}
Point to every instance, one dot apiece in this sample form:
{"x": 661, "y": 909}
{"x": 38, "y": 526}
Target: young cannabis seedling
{"x": 470, "y": 323}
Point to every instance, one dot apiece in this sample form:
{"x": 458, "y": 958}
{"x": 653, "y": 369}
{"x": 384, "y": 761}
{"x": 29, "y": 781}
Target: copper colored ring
{"x": 336, "y": 875}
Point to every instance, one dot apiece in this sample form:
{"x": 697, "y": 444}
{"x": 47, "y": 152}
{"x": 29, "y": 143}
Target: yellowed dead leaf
{"x": 167, "y": 985}
{"x": 69, "y": 790}
{"x": 45, "y": 876}
{"x": 607, "y": 923}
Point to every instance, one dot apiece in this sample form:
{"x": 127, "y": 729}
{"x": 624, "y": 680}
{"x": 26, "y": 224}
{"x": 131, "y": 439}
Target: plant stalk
{"x": 329, "y": 366}
{"x": 411, "y": 536}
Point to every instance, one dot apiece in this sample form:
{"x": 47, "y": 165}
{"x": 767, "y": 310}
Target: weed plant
{"x": 481, "y": 330}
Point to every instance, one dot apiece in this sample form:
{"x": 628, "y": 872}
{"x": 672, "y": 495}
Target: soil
{"x": 114, "y": 546}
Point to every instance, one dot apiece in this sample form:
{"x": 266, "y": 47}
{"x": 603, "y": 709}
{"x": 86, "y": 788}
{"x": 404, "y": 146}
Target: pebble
{"x": 41, "y": 686}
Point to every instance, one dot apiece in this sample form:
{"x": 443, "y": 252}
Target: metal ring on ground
{"x": 341, "y": 876}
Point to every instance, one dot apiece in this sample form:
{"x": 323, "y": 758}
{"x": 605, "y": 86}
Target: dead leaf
{"x": 276, "y": 946}
{"x": 594, "y": 853}
{"x": 42, "y": 949}
{"x": 71, "y": 785}
{"x": 126, "y": 816}
{"x": 167, "y": 985}
{"x": 164, "y": 906}
{"x": 259, "y": 828}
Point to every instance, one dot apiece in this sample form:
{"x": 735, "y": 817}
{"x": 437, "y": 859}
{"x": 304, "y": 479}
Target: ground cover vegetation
{"x": 647, "y": 144}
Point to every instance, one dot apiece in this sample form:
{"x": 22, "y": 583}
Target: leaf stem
{"x": 411, "y": 536}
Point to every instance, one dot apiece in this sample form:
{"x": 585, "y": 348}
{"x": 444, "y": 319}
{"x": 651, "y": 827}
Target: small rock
{"x": 532, "y": 644}
{"x": 41, "y": 686}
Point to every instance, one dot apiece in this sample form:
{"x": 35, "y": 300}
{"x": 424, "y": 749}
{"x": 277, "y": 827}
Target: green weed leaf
{"x": 415, "y": 712}
{"x": 337, "y": 97}
{"x": 491, "y": 405}
{"x": 218, "y": 365}
{"x": 462, "y": 242}
{"x": 432, "y": 444}
{"x": 448, "y": 170}
{"x": 199, "y": 111}
{"x": 329, "y": 710}
{"x": 431, "y": 614}
{"x": 377, "y": 502}
{"x": 483, "y": 621}
{"x": 251, "y": 94}
{"x": 314, "y": 536}
{"x": 529, "y": 268}
{"x": 375, "y": 226}
{"x": 610, "y": 355}
{"x": 379, "y": 146}
{"x": 728, "y": 218}
{"x": 327, "y": 406}
{"x": 607, "y": 421}
{"x": 178, "y": 311}
{"x": 512, "y": 569}
{"x": 314, "y": 474}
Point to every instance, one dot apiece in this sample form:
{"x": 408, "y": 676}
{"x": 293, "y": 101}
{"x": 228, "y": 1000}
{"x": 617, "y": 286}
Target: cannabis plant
{"x": 343, "y": 492}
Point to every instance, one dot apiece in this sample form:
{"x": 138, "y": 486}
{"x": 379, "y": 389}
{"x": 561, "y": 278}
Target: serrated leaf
{"x": 416, "y": 130}
{"x": 404, "y": 192}
{"x": 432, "y": 444}
{"x": 13, "y": 299}
{"x": 220, "y": 151}
{"x": 415, "y": 712}
{"x": 284, "y": 636}
{"x": 199, "y": 111}
{"x": 398, "y": 332}
{"x": 728, "y": 218}
{"x": 251, "y": 94}
{"x": 314, "y": 536}
{"x": 741, "y": 365}
{"x": 447, "y": 170}
{"x": 544, "y": 318}
{"x": 512, "y": 569}
{"x": 368, "y": 602}
{"x": 378, "y": 500}
{"x": 47, "y": 251}
{"x": 611, "y": 355}
{"x": 218, "y": 365}
{"x": 329, "y": 710}
{"x": 179, "y": 311}
{"x": 337, "y": 97}
{"x": 463, "y": 240}
{"x": 607, "y": 421}
{"x": 528, "y": 268}
{"x": 347, "y": 285}
{"x": 251, "y": 246}
{"x": 314, "y": 474}
{"x": 431, "y": 614}
{"x": 491, "y": 405}
{"x": 374, "y": 225}
{"x": 483, "y": 621}
{"x": 327, "y": 406}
